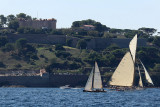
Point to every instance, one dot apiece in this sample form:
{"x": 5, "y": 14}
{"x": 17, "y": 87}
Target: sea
{"x": 75, "y": 97}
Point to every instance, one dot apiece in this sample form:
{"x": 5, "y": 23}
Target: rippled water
{"x": 55, "y": 97}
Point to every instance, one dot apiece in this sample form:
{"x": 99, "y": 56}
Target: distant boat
{"x": 65, "y": 87}
{"x": 94, "y": 83}
{"x": 124, "y": 75}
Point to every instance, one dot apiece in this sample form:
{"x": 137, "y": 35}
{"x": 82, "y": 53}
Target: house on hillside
{"x": 88, "y": 27}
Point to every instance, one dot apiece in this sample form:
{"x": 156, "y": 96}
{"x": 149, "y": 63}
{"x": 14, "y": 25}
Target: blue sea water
{"x": 55, "y": 97}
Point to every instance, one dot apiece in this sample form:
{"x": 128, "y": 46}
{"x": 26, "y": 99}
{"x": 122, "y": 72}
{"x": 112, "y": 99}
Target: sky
{"x": 121, "y": 14}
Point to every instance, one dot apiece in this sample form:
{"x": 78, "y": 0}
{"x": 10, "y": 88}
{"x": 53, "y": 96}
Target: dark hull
{"x": 94, "y": 91}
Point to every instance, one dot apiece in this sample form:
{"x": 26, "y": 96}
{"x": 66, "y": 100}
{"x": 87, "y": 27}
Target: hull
{"x": 120, "y": 88}
{"x": 94, "y": 90}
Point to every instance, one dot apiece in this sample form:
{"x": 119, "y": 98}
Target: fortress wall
{"x": 124, "y": 43}
{"x": 98, "y": 43}
{"x": 72, "y": 80}
{"x": 27, "y": 81}
{"x": 38, "y": 24}
{"x": 95, "y": 43}
{"x": 74, "y": 41}
{"x": 57, "y": 80}
{"x": 39, "y": 38}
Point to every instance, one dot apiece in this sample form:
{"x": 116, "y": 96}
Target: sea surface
{"x": 56, "y": 97}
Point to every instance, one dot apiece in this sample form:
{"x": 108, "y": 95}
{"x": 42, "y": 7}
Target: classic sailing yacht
{"x": 94, "y": 83}
{"x": 124, "y": 74}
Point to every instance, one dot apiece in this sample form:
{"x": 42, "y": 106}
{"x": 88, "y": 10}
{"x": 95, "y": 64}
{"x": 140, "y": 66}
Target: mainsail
{"x": 97, "y": 82}
{"x": 140, "y": 78}
{"x": 133, "y": 46}
{"x": 148, "y": 78}
{"x": 124, "y": 74}
{"x": 89, "y": 82}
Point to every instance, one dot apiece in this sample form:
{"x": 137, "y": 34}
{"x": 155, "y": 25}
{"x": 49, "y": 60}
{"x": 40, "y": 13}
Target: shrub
{"x": 59, "y": 47}
{"x": 81, "y": 44}
{"x": 2, "y": 64}
{"x": 62, "y": 54}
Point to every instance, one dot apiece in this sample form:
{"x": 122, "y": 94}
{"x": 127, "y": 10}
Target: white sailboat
{"x": 94, "y": 83}
{"x": 124, "y": 74}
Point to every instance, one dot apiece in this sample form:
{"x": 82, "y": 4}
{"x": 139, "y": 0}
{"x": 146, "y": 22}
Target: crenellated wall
{"x": 38, "y": 24}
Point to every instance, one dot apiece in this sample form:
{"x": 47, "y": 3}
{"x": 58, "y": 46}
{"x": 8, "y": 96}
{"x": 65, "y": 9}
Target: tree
{"x": 9, "y": 47}
{"x": 21, "y": 43}
{"x": 82, "y": 44}
{"x": 10, "y": 18}
{"x": 93, "y": 33}
{"x": 156, "y": 68}
{"x": 21, "y": 15}
{"x": 2, "y": 64}
{"x": 3, "y": 20}
{"x": 3, "y": 41}
{"x": 76, "y": 24}
{"x": 156, "y": 41}
{"x": 24, "y": 16}
{"x": 69, "y": 42}
{"x": 59, "y": 47}
{"x": 148, "y": 31}
{"x": 13, "y": 25}
{"x": 98, "y": 26}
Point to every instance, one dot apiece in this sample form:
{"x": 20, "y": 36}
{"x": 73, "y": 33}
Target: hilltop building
{"x": 88, "y": 27}
{"x": 38, "y": 24}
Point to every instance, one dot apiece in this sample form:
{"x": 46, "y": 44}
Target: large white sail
{"x": 97, "y": 82}
{"x": 88, "y": 86}
{"x": 133, "y": 46}
{"x": 124, "y": 74}
{"x": 148, "y": 78}
{"x": 140, "y": 78}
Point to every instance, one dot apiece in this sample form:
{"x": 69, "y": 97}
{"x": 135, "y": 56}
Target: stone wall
{"x": 27, "y": 81}
{"x": 72, "y": 80}
{"x": 94, "y": 43}
{"x": 38, "y": 24}
{"x": 39, "y": 38}
{"x": 57, "y": 80}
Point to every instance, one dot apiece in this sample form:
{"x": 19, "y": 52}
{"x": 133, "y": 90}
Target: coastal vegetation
{"x": 66, "y": 59}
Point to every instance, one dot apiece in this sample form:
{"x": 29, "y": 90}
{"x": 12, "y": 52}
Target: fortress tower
{"x": 38, "y": 24}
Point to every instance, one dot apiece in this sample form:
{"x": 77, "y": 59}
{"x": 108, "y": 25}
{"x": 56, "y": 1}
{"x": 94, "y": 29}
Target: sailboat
{"x": 94, "y": 83}
{"x": 124, "y": 75}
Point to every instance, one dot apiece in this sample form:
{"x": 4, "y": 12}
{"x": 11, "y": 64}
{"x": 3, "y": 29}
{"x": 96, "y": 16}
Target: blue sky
{"x": 123, "y": 14}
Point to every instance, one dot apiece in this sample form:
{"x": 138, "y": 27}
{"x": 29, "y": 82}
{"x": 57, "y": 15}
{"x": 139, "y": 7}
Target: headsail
{"x": 133, "y": 46}
{"x": 148, "y": 78}
{"x": 124, "y": 74}
{"x": 97, "y": 78}
{"x": 140, "y": 78}
{"x": 89, "y": 82}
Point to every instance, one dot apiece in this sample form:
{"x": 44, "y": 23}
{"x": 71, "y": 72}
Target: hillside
{"x": 64, "y": 59}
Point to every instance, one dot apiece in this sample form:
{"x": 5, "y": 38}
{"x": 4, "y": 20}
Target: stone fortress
{"x": 38, "y": 24}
